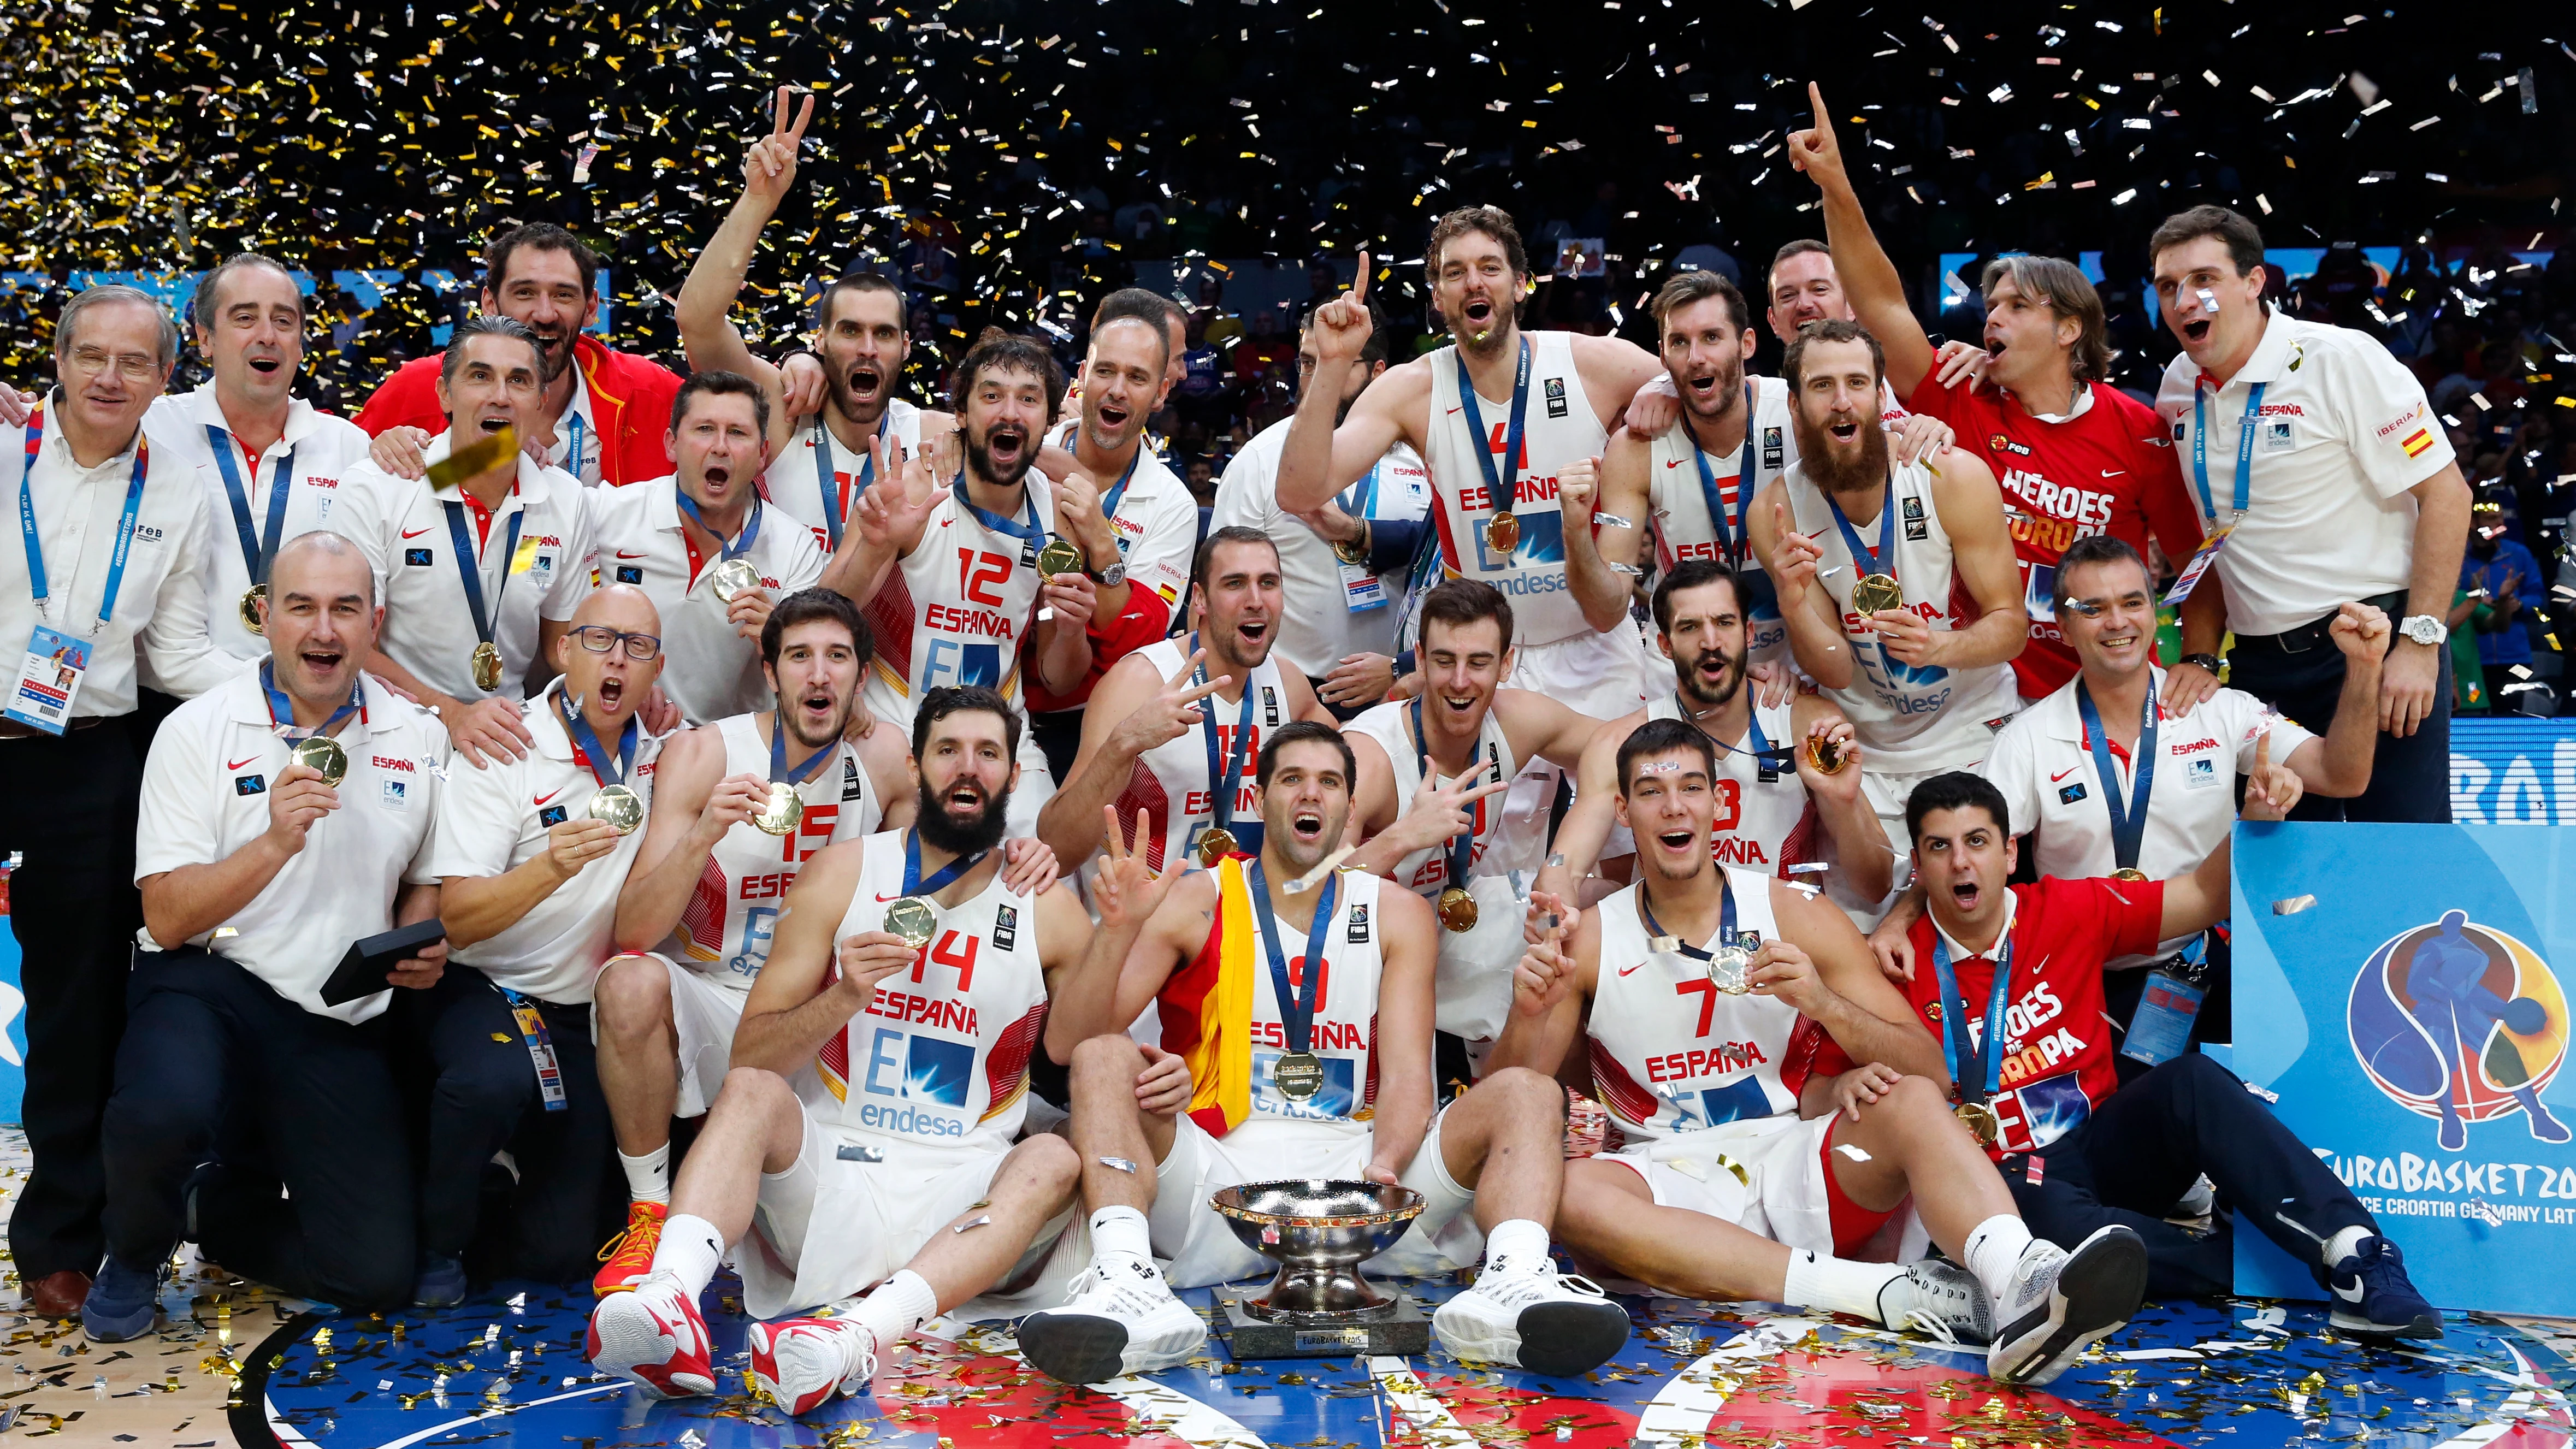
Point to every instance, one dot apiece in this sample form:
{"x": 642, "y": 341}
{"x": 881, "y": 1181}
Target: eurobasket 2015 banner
{"x": 2403, "y": 991}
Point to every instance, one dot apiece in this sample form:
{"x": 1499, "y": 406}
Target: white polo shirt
{"x": 1157, "y": 520}
{"x": 205, "y": 795}
{"x": 1318, "y": 628}
{"x": 495, "y": 819}
{"x": 325, "y": 449}
{"x": 2343, "y": 432}
{"x": 157, "y": 631}
{"x": 711, "y": 671}
{"x": 2042, "y": 763}
{"x": 401, "y": 524}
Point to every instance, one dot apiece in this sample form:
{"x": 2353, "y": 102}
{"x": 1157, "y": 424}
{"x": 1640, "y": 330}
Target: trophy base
{"x": 1400, "y": 1330}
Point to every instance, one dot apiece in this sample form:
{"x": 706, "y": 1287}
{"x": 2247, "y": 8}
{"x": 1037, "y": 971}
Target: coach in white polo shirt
{"x": 674, "y": 537}
{"x": 256, "y": 878}
{"x": 532, "y": 881}
{"x": 2324, "y": 454}
{"x": 499, "y": 559}
{"x": 270, "y": 463}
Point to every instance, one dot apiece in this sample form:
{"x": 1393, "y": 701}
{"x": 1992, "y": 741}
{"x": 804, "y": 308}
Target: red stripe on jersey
{"x": 1448, "y": 544}
{"x": 1368, "y": 1089}
{"x": 1801, "y": 846}
{"x": 1006, "y": 1066}
{"x": 890, "y": 618}
{"x": 703, "y": 921}
{"x": 1619, "y": 1091}
{"x": 1145, "y": 792}
{"x": 1807, "y": 1051}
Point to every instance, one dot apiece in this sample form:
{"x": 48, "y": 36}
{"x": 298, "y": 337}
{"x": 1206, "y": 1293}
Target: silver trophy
{"x": 1318, "y": 1305}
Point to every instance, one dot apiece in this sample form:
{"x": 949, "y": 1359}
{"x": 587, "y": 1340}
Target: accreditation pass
{"x": 49, "y": 679}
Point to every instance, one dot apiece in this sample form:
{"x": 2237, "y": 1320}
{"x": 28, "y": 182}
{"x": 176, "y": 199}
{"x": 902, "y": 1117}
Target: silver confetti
{"x": 1612, "y": 520}
{"x": 2293, "y": 905}
{"x": 979, "y": 1220}
{"x": 1119, "y": 1164}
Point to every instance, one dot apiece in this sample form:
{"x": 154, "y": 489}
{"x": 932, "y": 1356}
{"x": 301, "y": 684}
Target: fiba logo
{"x": 2461, "y": 1023}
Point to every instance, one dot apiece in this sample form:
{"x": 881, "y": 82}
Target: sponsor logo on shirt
{"x": 629, "y": 574}
{"x": 384, "y": 763}
{"x": 249, "y": 784}
{"x": 2280, "y": 410}
{"x": 2001, "y": 444}
{"x": 416, "y": 558}
{"x": 147, "y": 533}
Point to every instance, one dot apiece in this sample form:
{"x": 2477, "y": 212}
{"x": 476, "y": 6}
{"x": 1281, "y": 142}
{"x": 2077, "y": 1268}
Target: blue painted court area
{"x": 507, "y": 1370}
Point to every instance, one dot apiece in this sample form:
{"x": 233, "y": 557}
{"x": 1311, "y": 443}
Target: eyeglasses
{"x": 599, "y": 639}
{"x": 132, "y": 366}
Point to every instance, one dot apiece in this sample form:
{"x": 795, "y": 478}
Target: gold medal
{"x": 1215, "y": 844}
{"x": 784, "y": 809}
{"x": 1502, "y": 533}
{"x": 1827, "y": 757}
{"x": 618, "y": 806}
{"x": 323, "y": 754}
{"x": 1350, "y": 552}
{"x": 734, "y": 578}
{"x": 1730, "y": 970}
{"x": 1458, "y": 909}
{"x": 2129, "y": 873}
{"x": 1298, "y": 1075}
{"x": 913, "y": 919}
{"x": 1060, "y": 556}
{"x": 1877, "y": 592}
{"x": 250, "y": 608}
{"x": 487, "y": 666}
{"x": 1981, "y": 1122}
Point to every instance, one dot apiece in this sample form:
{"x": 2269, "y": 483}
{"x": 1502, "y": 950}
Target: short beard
{"x": 1491, "y": 343}
{"x": 1730, "y": 388}
{"x": 939, "y": 830}
{"x": 547, "y": 365}
{"x": 1825, "y": 471}
{"x": 795, "y": 722}
{"x": 979, "y": 461}
{"x": 1687, "y": 676}
{"x": 1655, "y": 871}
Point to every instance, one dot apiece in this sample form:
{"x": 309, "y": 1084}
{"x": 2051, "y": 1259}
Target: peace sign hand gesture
{"x": 769, "y": 167}
{"x": 1440, "y": 812}
{"x": 1126, "y": 889}
{"x": 1172, "y": 712}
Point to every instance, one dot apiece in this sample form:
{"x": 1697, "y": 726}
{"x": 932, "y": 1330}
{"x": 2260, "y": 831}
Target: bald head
{"x": 321, "y": 618}
{"x": 619, "y": 606}
{"x": 324, "y": 564}
{"x": 598, "y": 659}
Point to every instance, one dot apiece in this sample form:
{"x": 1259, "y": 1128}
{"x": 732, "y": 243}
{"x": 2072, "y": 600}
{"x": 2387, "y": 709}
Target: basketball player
{"x": 1310, "y": 1056}
{"x": 865, "y": 1131}
{"x": 1777, "y": 812}
{"x": 819, "y": 461}
{"x": 1920, "y": 671}
{"x": 1173, "y": 726}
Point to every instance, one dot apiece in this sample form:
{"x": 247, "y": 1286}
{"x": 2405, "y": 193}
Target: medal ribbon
{"x": 469, "y": 568}
{"x": 1725, "y": 919}
{"x": 1462, "y": 848}
{"x": 778, "y": 770}
{"x": 1031, "y": 532}
{"x": 1231, "y": 775}
{"x": 1986, "y": 1063}
{"x": 1762, "y": 750}
{"x": 823, "y": 470}
{"x": 124, "y": 524}
{"x": 1498, "y": 485}
{"x": 2244, "y": 447}
{"x": 2129, "y": 816}
{"x": 1297, "y": 1001}
{"x": 586, "y": 750}
{"x": 1730, "y": 530}
{"x": 258, "y": 554}
{"x": 914, "y": 885}
{"x": 573, "y": 462}
{"x": 741, "y": 541}
{"x": 281, "y": 710}
{"x": 1886, "y": 532}
{"x": 1110, "y": 500}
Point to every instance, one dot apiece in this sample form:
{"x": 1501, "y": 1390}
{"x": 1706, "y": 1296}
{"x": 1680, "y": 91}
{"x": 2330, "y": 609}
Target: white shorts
{"x": 704, "y": 1012}
{"x": 1782, "y": 1195}
{"x": 1203, "y": 1251}
{"x": 834, "y": 1224}
{"x": 1595, "y": 674}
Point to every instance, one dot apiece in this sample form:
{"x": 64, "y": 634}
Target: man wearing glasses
{"x": 107, "y": 589}
{"x": 532, "y": 854}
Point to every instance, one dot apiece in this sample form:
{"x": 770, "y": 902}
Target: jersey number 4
{"x": 947, "y": 954}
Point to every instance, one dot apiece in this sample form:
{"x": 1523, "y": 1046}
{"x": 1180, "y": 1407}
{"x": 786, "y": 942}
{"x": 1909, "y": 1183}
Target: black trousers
{"x": 2141, "y": 1149}
{"x": 2122, "y": 991}
{"x": 1059, "y": 736}
{"x": 68, "y": 805}
{"x": 483, "y": 1099}
{"x": 216, "y": 1067}
{"x": 2300, "y": 673}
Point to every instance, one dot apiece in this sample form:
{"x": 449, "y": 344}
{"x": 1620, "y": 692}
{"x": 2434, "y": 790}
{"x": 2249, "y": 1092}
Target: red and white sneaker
{"x": 653, "y": 1336}
{"x": 801, "y": 1363}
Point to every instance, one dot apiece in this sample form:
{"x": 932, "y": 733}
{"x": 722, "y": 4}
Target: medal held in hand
{"x": 615, "y": 803}
{"x": 1875, "y": 593}
{"x": 913, "y": 919}
{"x": 1730, "y": 969}
{"x": 1729, "y": 962}
{"x": 784, "y": 810}
{"x": 323, "y": 755}
{"x": 913, "y": 916}
{"x": 618, "y": 806}
{"x": 1825, "y": 755}
{"x": 733, "y": 578}
{"x": 1060, "y": 556}
{"x": 786, "y": 807}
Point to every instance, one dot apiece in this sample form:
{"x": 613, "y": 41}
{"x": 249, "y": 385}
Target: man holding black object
{"x": 533, "y": 853}
{"x": 285, "y": 815}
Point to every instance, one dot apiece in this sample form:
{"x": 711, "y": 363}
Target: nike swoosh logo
{"x": 2113, "y": 472}
{"x": 1460, "y": 408}
{"x": 244, "y": 760}
{"x": 1672, "y": 462}
{"x": 2062, "y": 774}
{"x": 414, "y": 532}
{"x": 549, "y": 795}
{"x": 621, "y": 553}
{"x": 1624, "y": 970}
{"x": 881, "y": 900}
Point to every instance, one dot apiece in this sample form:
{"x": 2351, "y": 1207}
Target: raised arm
{"x": 1146, "y": 920}
{"x": 1972, "y": 513}
{"x": 1870, "y": 282}
{"x": 1860, "y": 842}
{"x": 1587, "y": 824}
{"x": 2339, "y": 763}
{"x": 1318, "y": 459}
{"x": 1789, "y": 557}
{"x": 1133, "y": 710}
{"x": 1551, "y": 988}
{"x": 1601, "y": 570}
{"x": 706, "y": 298}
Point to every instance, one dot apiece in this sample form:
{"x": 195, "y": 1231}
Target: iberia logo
{"x": 2462, "y": 1023}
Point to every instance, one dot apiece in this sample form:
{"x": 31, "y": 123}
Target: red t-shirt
{"x": 2057, "y": 1066}
{"x": 2111, "y": 470}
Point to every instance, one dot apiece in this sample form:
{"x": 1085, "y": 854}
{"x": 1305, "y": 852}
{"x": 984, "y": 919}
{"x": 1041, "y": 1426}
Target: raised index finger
{"x": 778, "y": 113}
{"x": 1359, "y": 284}
{"x": 1816, "y": 99}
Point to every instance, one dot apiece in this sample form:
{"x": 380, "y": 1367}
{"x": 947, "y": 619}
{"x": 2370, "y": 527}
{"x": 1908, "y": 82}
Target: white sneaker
{"x": 653, "y": 1336}
{"x": 1120, "y": 1318}
{"x": 1528, "y": 1316}
{"x": 1939, "y": 1298}
{"x": 2060, "y": 1301}
{"x": 799, "y": 1364}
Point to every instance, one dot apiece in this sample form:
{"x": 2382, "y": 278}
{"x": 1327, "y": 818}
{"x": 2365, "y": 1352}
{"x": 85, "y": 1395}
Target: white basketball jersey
{"x": 1426, "y": 872}
{"x": 1559, "y": 427}
{"x": 1170, "y": 782}
{"x": 1677, "y": 500}
{"x": 957, "y": 608}
{"x": 1670, "y": 1052}
{"x": 1764, "y": 825}
{"x": 732, "y": 916}
{"x": 940, "y": 1058}
{"x": 1910, "y": 718}
{"x": 796, "y": 481}
{"x": 1344, "y": 1036}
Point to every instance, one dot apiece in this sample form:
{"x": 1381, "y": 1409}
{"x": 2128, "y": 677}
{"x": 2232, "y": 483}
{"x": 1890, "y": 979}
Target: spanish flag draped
{"x": 1207, "y": 1008}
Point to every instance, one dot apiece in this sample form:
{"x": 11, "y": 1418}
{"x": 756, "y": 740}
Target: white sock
{"x": 899, "y": 1305}
{"x": 2345, "y": 1243}
{"x": 1994, "y": 1251}
{"x": 691, "y": 1248}
{"x": 648, "y": 1178}
{"x": 1837, "y": 1285}
{"x": 1121, "y": 1230}
{"x": 1517, "y": 1244}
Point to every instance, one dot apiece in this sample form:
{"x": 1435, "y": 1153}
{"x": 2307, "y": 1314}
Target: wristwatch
{"x": 2210, "y": 662}
{"x": 2424, "y": 629}
{"x": 1110, "y": 577}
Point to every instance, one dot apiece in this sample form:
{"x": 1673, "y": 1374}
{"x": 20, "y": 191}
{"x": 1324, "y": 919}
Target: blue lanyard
{"x": 281, "y": 710}
{"x": 573, "y": 464}
{"x": 257, "y": 553}
{"x": 1366, "y": 491}
{"x": 1762, "y": 749}
{"x": 778, "y": 753}
{"x": 823, "y": 472}
{"x": 585, "y": 744}
{"x": 1725, "y": 918}
{"x": 1986, "y": 1063}
{"x": 469, "y": 568}
{"x": 1886, "y": 532}
{"x": 741, "y": 541}
{"x": 1231, "y": 775}
{"x": 124, "y": 524}
{"x": 1297, "y": 1000}
{"x": 1029, "y": 532}
{"x": 1730, "y": 531}
{"x": 1462, "y": 847}
{"x": 2128, "y": 817}
{"x": 1498, "y": 486}
{"x": 914, "y": 885}
{"x": 2244, "y": 447}
{"x": 1109, "y": 501}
